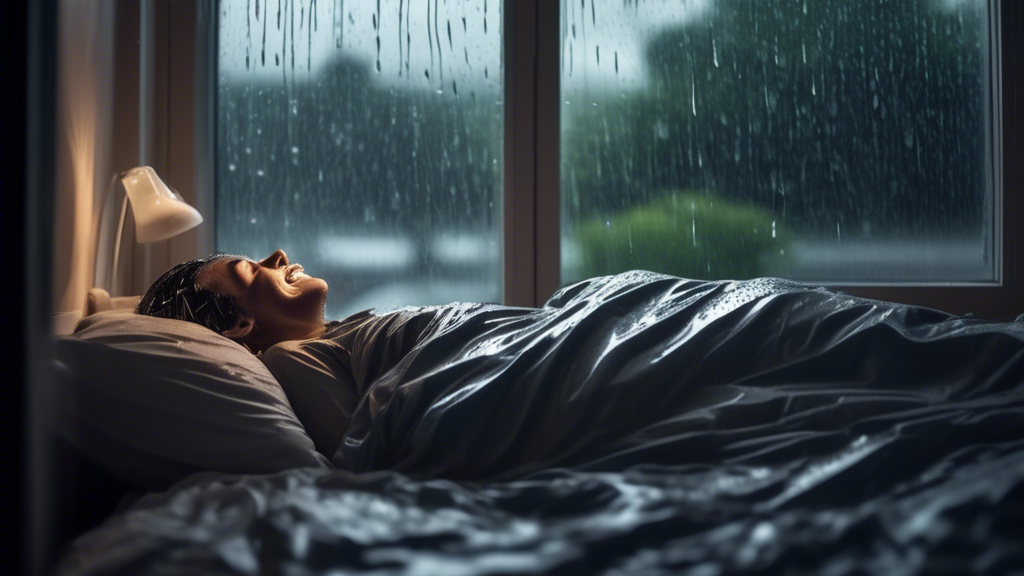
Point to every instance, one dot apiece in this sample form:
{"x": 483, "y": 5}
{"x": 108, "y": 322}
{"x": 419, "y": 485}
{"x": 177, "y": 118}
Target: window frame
{"x": 1001, "y": 301}
{"x": 1005, "y": 300}
{"x": 531, "y": 178}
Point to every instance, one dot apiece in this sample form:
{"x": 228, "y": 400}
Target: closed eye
{"x": 245, "y": 269}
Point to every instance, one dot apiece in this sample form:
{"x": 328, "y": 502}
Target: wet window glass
{"x": 365, "y": 139}
{"x": 823, "y": 140}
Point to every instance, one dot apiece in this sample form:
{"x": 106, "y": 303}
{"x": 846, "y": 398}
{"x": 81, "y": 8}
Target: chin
{"x": 312, "y": 297}
{"x": 320, "y": 285}
{"x": 311, "y": 284}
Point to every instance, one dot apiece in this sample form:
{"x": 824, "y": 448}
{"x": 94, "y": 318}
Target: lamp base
{"x": 117, "y": 244}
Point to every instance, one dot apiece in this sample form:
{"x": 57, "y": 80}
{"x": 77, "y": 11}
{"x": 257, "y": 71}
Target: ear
{"x": 243, "y": 326}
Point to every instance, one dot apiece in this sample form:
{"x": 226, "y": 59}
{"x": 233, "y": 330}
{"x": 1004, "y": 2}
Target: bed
{"x": 635, "y": 424}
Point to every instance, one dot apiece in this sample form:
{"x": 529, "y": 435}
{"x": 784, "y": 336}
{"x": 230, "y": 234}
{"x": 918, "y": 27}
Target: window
{"x": 366, "y": 140}
{"x": 836, "y": 142}
{"x": 854, "y": 144}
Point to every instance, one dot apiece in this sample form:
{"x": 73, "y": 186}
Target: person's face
{"x": 283, "y": 300}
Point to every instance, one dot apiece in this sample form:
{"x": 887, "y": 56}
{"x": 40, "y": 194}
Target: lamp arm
{"x": 117, "y": 243}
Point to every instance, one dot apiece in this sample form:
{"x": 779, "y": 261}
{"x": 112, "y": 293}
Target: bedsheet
{"x": 639, "y": 424}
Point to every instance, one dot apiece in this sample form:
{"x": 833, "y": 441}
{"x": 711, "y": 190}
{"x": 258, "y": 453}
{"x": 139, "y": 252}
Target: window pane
{"x": 824, "y": 140}
{"x": 365, "y": 139}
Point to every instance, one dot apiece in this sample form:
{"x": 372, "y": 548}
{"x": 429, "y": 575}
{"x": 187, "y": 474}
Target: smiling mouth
{"x": 294, "y": 273}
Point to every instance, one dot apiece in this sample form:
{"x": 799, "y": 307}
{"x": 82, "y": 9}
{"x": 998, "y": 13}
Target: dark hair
{"x": 177, "y": 295}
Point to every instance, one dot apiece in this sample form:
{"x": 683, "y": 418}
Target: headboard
{"x": 99, "y": 300}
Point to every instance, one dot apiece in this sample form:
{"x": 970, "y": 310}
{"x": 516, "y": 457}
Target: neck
{"x": 258, "y": 342}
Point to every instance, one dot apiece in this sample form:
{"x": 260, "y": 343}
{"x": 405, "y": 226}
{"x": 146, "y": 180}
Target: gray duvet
{"x": 637, "y": 424}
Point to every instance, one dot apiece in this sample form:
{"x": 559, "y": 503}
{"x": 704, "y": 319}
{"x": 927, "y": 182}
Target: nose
{"x": 275, "y": 260}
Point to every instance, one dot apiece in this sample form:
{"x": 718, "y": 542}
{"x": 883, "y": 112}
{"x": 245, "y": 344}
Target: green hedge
{"x": 732, "y": 240}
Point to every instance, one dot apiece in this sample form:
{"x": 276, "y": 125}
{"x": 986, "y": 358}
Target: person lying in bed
{"x": 572, "y": 381}
{"x": 276, "y": 310}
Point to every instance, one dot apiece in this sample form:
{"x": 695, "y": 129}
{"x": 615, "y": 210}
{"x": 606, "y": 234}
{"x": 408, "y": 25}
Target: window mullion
{"x": 520, "y": 56}
{"x": 548, "y": 151}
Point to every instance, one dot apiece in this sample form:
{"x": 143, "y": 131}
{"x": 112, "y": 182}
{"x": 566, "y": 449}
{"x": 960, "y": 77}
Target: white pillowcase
{"x": 153, "y": 400}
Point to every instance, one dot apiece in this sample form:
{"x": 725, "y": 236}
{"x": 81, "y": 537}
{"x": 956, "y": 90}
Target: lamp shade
{"x": 160, "y": 213}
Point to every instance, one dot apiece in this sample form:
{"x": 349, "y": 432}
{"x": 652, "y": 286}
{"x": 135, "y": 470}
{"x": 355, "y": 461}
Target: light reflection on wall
{"x": 84, "y": 136}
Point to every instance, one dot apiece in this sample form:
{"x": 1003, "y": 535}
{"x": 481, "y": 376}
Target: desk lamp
{"x": 160, "y": 212}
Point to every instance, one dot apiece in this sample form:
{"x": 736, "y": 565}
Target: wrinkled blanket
{"x": 644, "y": 368}
{"x": 638, "y": 424}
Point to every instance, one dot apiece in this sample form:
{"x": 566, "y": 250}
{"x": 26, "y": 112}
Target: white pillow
{"x": 153, "y": 400}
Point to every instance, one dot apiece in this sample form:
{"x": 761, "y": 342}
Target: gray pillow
{"x": 153, "y": 400}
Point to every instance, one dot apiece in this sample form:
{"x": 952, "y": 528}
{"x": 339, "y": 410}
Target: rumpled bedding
{"x": 638, "y": 424}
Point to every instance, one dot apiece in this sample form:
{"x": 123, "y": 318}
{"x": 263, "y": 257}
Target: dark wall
{"x": 13, "y": 39}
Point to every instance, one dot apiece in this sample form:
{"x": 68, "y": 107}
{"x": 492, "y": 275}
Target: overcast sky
{"x": 276, "y": 33}
{"x": 471, "y": 56}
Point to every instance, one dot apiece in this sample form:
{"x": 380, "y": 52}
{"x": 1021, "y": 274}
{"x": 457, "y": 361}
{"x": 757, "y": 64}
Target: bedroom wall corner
{"x": 83, "y": 143}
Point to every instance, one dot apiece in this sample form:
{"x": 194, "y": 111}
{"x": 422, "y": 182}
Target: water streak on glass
{"x": 811, "y": 139}
{"x": 373, "y": 159}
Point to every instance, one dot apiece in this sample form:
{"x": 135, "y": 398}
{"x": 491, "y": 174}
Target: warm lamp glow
{"x": 160, "y": 213}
